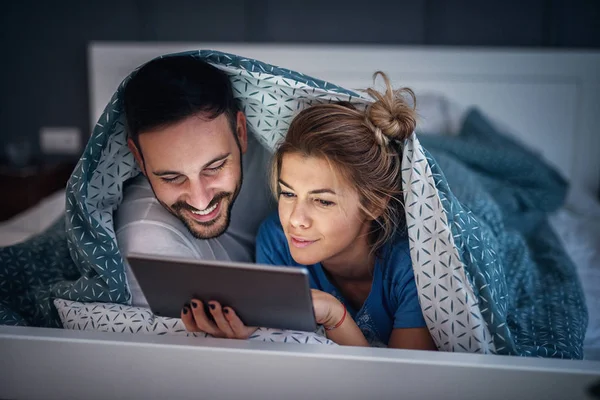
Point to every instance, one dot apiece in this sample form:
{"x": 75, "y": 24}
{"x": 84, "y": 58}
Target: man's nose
{"x": 199, "y": 195}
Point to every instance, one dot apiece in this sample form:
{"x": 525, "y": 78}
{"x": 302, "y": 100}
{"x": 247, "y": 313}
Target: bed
{"x": 546, "y": 100}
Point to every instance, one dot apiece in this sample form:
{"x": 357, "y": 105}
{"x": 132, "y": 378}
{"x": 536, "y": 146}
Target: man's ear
{"x": 242, "y": 131}
{"x": 137, "y": 155}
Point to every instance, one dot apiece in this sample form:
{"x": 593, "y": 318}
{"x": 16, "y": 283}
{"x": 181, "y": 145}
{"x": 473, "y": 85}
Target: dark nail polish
{"x": 226, "y": 310}
{"x": 194, "y": 304}
{"x": 184, "y": 309}
{"x": 212, "y": 306}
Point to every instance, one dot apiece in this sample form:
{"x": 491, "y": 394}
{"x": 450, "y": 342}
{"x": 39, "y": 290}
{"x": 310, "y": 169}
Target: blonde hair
{"x": 365, "y": 148}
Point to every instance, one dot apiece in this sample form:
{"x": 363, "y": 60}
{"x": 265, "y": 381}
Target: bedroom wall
{"x": 43, "y": 79}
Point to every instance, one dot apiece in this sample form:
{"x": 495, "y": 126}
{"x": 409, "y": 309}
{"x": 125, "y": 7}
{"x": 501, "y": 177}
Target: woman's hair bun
{"x": 390, "y": 115}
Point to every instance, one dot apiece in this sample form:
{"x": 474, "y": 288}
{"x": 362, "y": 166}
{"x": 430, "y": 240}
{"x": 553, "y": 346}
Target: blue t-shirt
{"x": 393, "y": 301}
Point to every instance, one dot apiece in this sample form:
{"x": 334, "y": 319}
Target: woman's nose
{"x": 299, "y": 217}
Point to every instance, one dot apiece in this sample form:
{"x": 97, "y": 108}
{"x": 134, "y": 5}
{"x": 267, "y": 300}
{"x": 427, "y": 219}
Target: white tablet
{"x": 261, "y": 295}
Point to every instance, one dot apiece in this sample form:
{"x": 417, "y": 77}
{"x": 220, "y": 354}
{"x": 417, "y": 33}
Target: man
{"x": 203, "y": 190}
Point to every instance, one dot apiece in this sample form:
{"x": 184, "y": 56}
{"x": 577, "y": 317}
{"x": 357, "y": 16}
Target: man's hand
{"x": 226, "y": 322}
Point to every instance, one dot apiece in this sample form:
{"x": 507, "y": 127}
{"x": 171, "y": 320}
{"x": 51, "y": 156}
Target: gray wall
{"x": 43, "y": 79}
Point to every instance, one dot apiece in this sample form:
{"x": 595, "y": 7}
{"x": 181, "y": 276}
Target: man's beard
{"x": 211, "y": 230}
{"x": 178, "y": 208}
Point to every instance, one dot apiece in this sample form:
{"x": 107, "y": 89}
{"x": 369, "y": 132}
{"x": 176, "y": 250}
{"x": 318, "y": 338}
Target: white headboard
{"x": 549, "y": 99}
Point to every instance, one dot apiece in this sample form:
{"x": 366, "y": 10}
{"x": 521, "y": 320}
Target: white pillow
{"x": 437, "y": 114}
{"x": 107, "y": 317}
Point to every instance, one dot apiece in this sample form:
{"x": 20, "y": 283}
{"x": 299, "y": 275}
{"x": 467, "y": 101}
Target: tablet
{"x": 261, "y": 295}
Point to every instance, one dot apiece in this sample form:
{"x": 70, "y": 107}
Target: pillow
{"x": 437, "y": 114}
{"x": 108, "y": 317}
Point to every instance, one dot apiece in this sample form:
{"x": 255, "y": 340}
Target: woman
{"x": 337, "y": 177}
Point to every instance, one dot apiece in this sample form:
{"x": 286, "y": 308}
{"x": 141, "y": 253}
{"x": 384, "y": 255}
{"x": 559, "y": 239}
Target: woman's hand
{"x": 332, "y": 314}
{"x": 226, "y": 323}
{"x": 328, "y": 310}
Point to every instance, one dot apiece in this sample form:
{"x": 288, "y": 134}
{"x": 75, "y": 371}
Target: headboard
{"x": 550, "y": 100}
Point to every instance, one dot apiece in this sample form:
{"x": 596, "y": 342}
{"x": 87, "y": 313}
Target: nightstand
{"x": 22, "y": 188}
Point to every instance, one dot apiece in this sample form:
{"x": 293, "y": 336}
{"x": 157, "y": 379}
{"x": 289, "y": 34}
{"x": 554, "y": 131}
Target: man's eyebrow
{"x": 316, "y": 191}
{"x": 168, "y": 172}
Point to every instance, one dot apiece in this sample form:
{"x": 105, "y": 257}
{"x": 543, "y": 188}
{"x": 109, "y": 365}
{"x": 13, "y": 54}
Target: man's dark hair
{"x": 170, "y": 89}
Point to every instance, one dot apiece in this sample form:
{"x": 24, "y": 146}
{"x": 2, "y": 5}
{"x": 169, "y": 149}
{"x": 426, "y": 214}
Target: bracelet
{"x": 330, "y": 328}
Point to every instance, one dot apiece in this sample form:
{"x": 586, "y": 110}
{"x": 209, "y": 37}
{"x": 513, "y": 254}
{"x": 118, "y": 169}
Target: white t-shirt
{"x": 143, "y": 225}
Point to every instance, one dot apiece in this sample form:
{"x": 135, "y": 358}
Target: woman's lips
{"x": 300, "y": 242}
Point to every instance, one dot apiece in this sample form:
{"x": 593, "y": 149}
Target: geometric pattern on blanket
{"x": 447, "y": 293}
{"x": 31, "y": 273}
{"x": 127, "y": 319}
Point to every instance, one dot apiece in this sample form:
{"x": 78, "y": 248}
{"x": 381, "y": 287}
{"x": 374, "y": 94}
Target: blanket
{"x": 536, "y": 302}
{"x": 491, "y": 275}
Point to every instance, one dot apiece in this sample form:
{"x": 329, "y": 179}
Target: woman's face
{"x": 319, "y": 211}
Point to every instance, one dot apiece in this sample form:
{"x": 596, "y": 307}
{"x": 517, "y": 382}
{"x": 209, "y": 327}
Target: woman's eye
{"x": 324, "y": 203}
{"x": 286, "y": 194}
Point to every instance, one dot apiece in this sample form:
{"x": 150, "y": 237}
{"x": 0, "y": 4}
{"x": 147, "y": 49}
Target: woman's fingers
{"x": 188, "y": 319}
{"x": 202, "y": 322}
{"x": 226, "y": 321}
{"x": 221, "y": 322}
{"x": 240, "y": 330}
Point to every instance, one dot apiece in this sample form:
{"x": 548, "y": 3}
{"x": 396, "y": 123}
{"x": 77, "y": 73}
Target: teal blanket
{"x": 511, "y": 191}
{"x": 517, "y": 291}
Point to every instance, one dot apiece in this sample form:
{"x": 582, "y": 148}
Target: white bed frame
{"x": 549, "y": 99}
{"x": 60, "y": 364}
